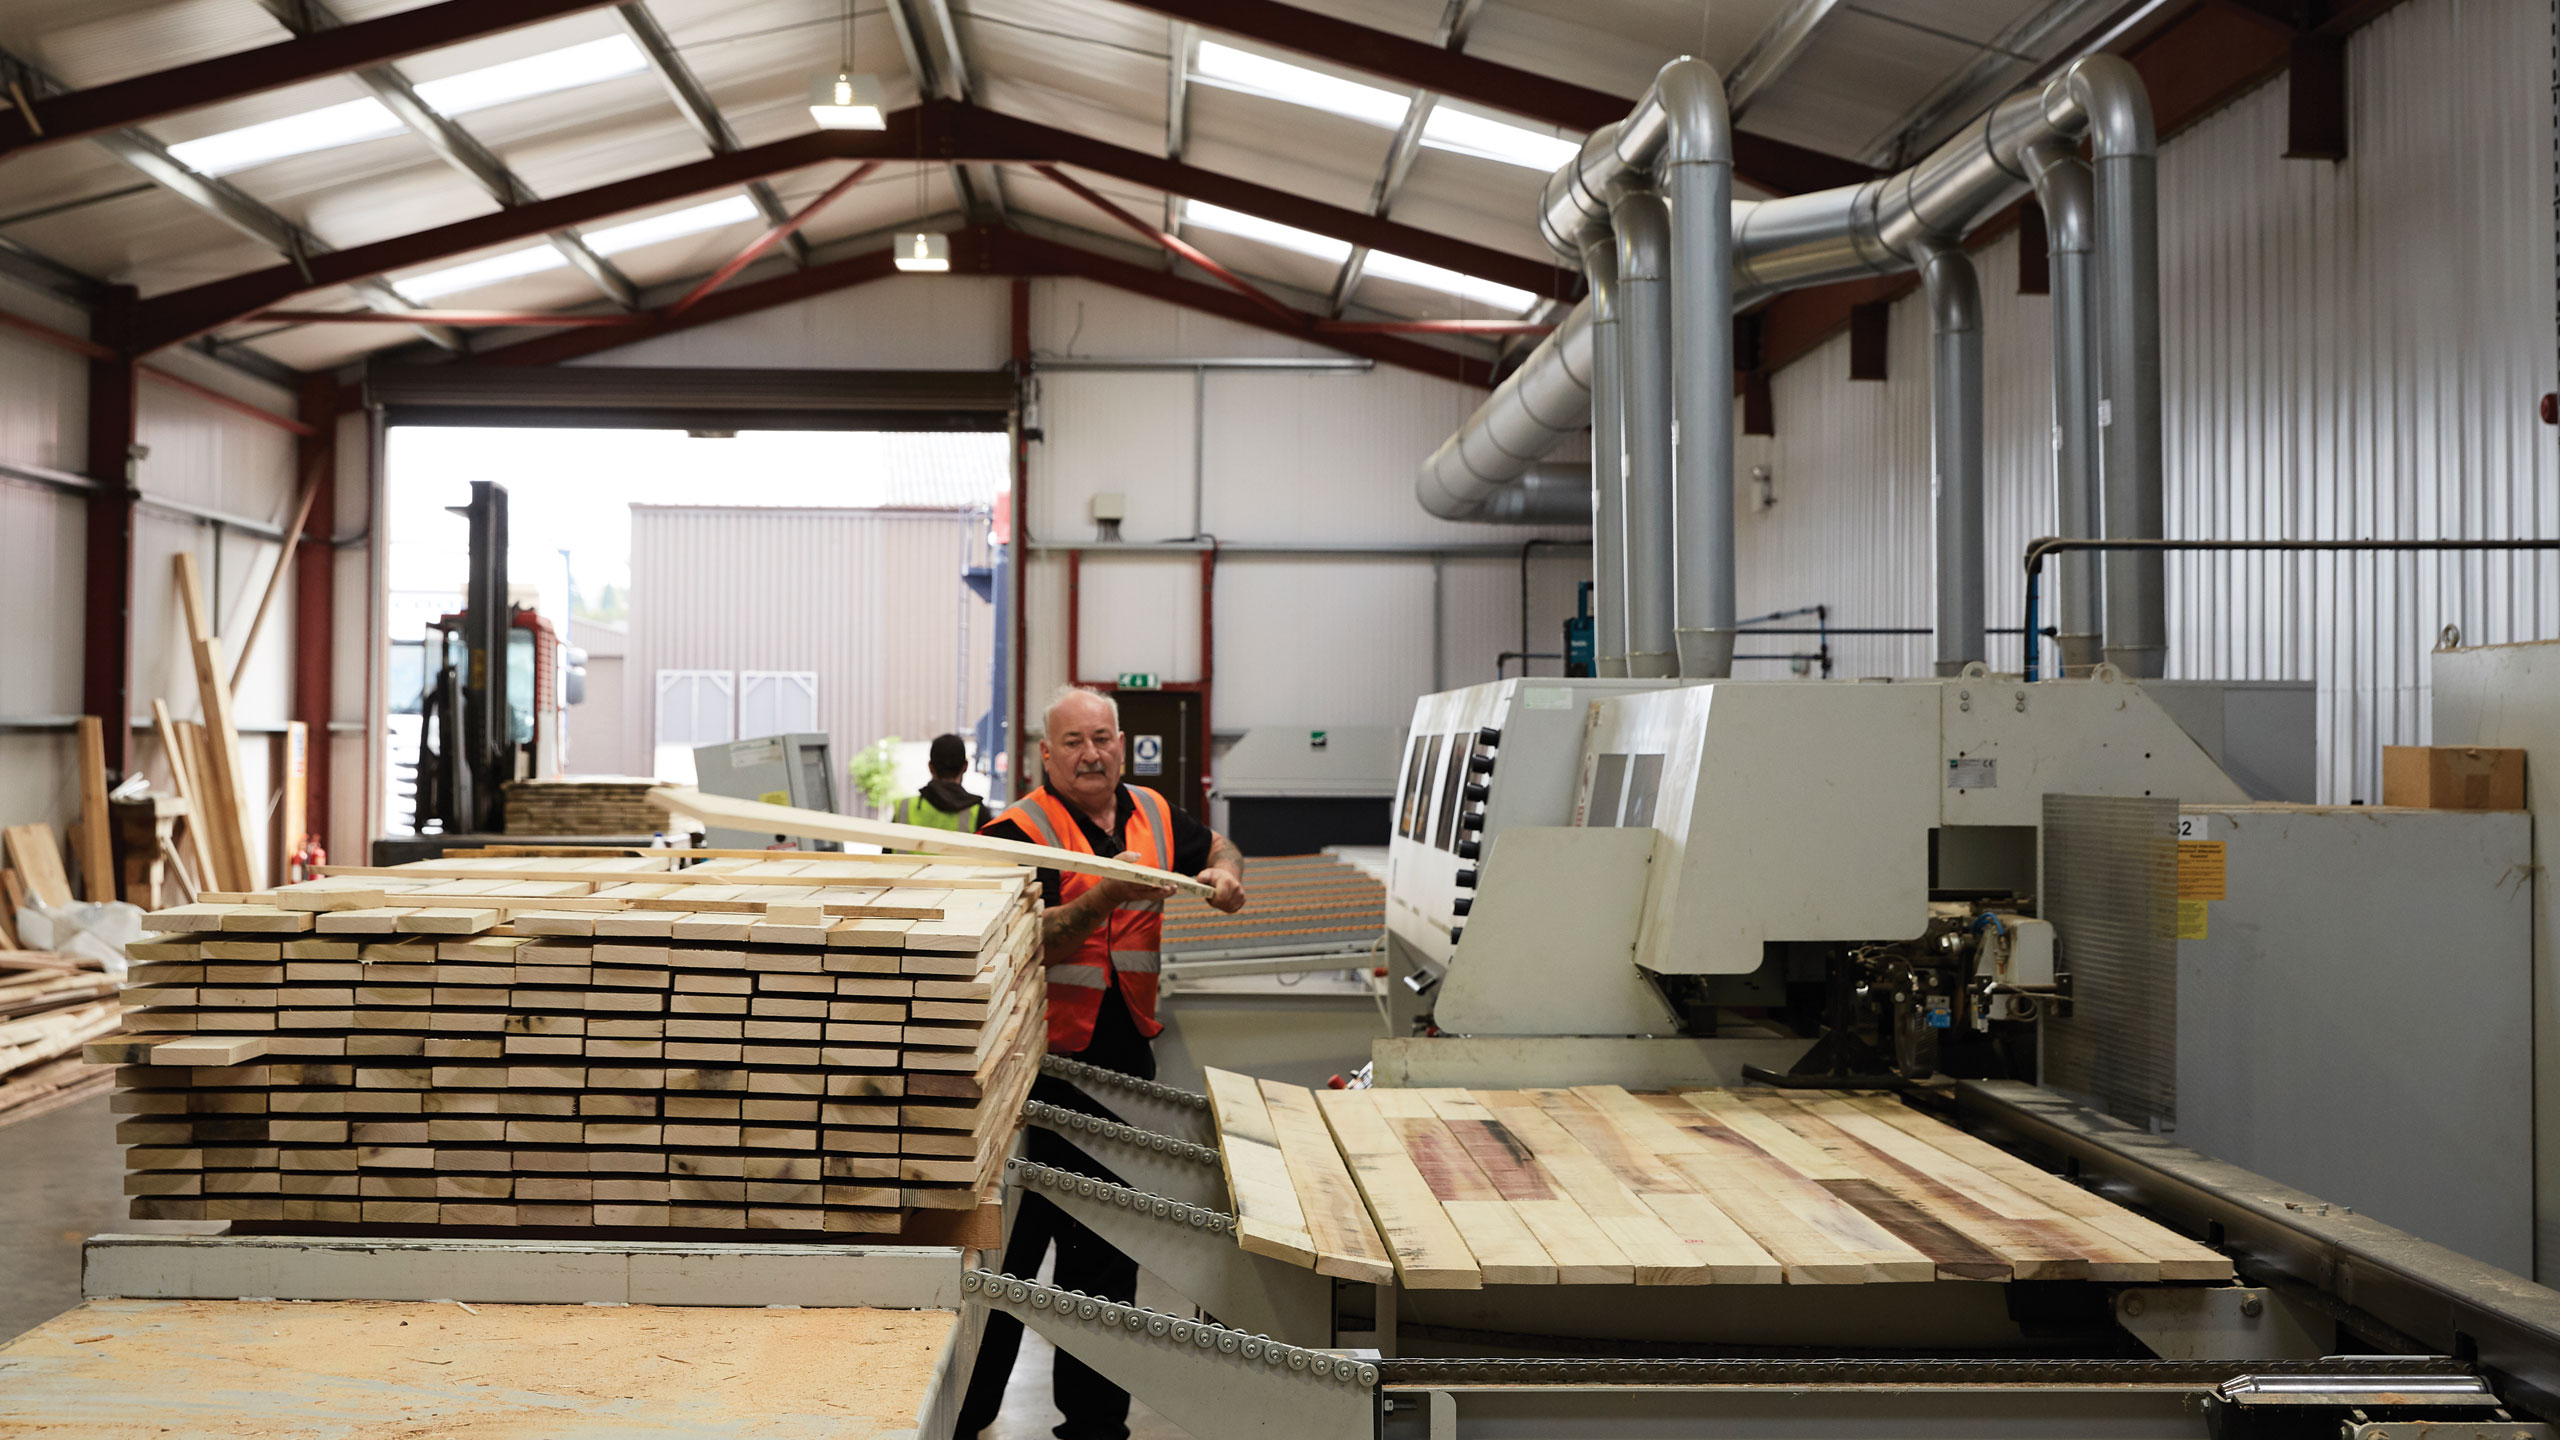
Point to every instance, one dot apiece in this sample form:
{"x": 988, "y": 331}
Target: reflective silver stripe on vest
{"x": 1140, "y": 907}
{"x": 1039, "y": 819}
{"x": 1085, "y": 976}
{"x": 1135, "y": 962}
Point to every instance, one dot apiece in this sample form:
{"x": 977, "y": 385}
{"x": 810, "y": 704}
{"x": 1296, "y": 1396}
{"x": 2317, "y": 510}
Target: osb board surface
{"x": 376, "y": 1370}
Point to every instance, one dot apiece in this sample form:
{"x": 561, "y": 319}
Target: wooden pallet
{"x": 379, "y": 1049}
{"x": 1596, "y": 1185}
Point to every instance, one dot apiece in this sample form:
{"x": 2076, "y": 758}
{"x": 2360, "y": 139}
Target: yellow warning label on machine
{"x": 783, "y": 797}
{"x": 2200, "y": 870}
{"x": 2191, "y": 919}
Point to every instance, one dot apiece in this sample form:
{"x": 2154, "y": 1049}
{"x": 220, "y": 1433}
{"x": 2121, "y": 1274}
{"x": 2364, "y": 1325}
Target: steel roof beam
{"x": 101, "y": 109}
{"x": 218, "y": 198}
{"x": 1771, "y": 165}
{"x": 701, "y": 111}
{"x": 941, "y": 130}
{"x": 457, "y": 146}
{"x": 930, "y": 39}
{"x": 1401, "y": 153}
{"x": 986, "y": 250}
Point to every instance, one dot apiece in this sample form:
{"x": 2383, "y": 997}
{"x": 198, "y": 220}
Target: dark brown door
{"x": 1163, "y": 745}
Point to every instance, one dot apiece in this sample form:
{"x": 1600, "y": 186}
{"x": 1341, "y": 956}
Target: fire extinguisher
{"x": 306, "y": 861}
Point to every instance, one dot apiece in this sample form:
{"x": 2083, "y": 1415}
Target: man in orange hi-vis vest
{"x": 1100, "y": 939}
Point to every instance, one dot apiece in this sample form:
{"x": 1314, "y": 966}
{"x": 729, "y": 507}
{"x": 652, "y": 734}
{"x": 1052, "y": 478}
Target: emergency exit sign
{"x": 1139, "y": 680}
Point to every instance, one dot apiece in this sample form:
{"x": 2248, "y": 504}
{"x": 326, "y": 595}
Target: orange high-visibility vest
{"x": 1128, "y": 943}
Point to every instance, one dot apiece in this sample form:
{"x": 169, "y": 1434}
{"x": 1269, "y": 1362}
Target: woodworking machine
{"x": 2337, "y": 1325}
{"x": 1857, "y": 860}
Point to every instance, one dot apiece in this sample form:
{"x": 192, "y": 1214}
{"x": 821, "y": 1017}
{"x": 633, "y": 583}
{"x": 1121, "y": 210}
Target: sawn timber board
{"x": 1597, "y": 1185}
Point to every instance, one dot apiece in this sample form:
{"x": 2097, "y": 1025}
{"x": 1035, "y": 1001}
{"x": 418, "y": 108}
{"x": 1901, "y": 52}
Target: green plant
{"x": 875, "y": 769}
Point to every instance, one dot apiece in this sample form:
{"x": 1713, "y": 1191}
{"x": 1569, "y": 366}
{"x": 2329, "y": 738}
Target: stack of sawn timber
{"x": 582, "y": 807}
{"x": 1595, "y": 1185}
{"x": 50, "y": 1005}
{"x": 797, "y": 1045}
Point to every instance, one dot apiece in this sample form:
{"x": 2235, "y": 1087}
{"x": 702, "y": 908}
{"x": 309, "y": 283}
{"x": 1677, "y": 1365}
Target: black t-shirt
{"x": 1116, "y": 1042}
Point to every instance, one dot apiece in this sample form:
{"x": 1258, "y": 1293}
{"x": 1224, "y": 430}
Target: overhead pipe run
{"x": 2062, "y": 185}
{"x": 2107, "y": 339}
{"x": 1643, "y": 228}
{"x": 1544, "y": 400}
{"x": 1608, "y": 468}
{"x": 1955, "y": 445}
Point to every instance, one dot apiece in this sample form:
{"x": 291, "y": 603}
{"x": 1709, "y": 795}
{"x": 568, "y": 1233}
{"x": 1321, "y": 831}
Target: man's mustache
{"x": 1092, "y": 767}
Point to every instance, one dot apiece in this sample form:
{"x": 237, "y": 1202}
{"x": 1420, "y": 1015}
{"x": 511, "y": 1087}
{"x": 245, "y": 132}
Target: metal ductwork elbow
{"x": 1544, "y": 400}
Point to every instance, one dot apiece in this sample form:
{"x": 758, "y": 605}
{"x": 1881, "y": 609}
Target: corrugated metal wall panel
{"x": 1321, "y": 642}
{"x": 42, "y": 533}
{"x": 870, "y": 600}
{"x": 1128, "y": 432}
{"x": 2350, "y": 350}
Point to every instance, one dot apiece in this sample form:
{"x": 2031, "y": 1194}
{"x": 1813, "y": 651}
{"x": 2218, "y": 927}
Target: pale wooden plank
{"x": 182, "y": 779}
{"x": 1346, "y": 1243}
{"x": 1502, "y": 1245}
{"x": 37, "y": 857}
{"x": 1582, "y": 1253}
{"x": 1269, "y": 1220}
{"x": 97, "y": 841}
{"x": 811, "y": 825}
{"x": 1657, "y": 1254}
{"x": 2179, "y": 1257}
{"x": 210, "y": 1050}
{"x": 1425, "y": 1244}
{"x": 1965, "y": 1242}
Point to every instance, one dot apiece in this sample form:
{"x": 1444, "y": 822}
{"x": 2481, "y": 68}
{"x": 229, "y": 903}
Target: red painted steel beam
{"x": 1772, "y": 165}
{"x": 102, "y": 108}
{"x": 1433, "y": 327}
{"x": 106, "y": 636}
{"x": 980, "y": 251}
{"x": 1020, "y": 254}
{"x": 939, "y": 131}
{"x": 772, "y": 237}
{"x": 746, "y": 299}
{"x": 234, "y": 404}
{"x": 315, "y": 589}
{"x": 459, "y": 319}
{"x": 1171, "y": 243}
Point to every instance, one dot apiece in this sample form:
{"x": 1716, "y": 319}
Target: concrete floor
{"x": 62, "y": 1180}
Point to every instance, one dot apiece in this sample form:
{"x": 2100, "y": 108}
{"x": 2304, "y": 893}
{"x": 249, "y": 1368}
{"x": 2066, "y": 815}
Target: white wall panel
{"x": 1321, "y": 642}
{"x": 1139, "y": 612}
{"x": 2350, "y": 350}
{"x": 1332, "y": 457}
{"x": 204, "y": 454}
{"x": 41, "y": 568}
{"x": 924, "y": 322}
{"x": 1080, "y": 318}
{"x": 1113, "y": 430}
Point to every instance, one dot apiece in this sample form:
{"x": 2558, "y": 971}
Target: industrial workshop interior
{"x": 1279, "y": 719}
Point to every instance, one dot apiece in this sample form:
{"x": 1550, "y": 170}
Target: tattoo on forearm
{"x": 1223, "y": 855}
{"x": 1065, "y": 927}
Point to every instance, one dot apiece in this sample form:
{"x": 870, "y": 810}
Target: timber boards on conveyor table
{"x": 1596, "y": 1185}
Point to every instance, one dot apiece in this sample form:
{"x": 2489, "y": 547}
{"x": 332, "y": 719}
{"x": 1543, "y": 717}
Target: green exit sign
{"x": 1139, "y": 680}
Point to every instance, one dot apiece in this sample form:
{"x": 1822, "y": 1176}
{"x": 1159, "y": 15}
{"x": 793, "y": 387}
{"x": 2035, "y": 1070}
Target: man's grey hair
{"x": 1065, "y": 693}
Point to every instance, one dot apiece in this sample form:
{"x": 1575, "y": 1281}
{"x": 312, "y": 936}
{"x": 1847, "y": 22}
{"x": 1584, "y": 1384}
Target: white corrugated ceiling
{"x": 1874, "y": 80}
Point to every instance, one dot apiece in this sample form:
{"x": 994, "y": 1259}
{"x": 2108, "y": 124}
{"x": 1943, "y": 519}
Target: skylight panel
{"x": 358, "y": 120}
{"x": 611, "y": 240}
{"x": 472, "y": 275}
{"x": 1468, "y": 134}
{"x": 1232, "y": 69}
{"x": 673, "y": 225}
{"x": 1450, "y": 282}
{"x": 1254, "y": 227}
{"x": 323, "y": 129}
{"x": 591, "y": 63}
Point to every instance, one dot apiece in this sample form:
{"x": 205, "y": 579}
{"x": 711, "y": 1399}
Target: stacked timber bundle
{"x": 541, "y": 1040}
{"x": 50, "y": 1005}
{"x": 582, "y": 807}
